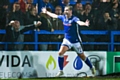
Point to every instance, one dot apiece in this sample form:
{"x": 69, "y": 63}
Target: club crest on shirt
{"x": 70, "y": 21}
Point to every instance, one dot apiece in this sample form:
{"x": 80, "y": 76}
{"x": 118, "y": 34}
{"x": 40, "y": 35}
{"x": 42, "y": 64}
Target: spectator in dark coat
{"x": 14, "y": 33}
{"x": 48, "y": 26}
{"x": 105, "y": 23}
{"x": 17, "y": 14}
{"x": 4, "y": 4}
{"x": 31, "y": 18}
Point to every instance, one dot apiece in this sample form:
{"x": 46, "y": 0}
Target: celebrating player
{"x": 71, "y": 37}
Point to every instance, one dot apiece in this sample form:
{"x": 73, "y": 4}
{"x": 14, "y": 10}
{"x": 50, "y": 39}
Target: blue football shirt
{"x": 70, "y": 28}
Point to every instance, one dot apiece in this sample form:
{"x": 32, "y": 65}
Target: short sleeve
{"x": 76, "y": 19}
{"x": 61, "y": 17}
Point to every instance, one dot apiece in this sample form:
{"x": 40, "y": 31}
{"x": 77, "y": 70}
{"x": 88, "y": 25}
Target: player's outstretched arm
{"x": 81, "y": 23}
{"x": 49, "y": 13}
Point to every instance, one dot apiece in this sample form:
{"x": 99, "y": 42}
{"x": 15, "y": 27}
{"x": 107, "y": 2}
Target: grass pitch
{"x": 76, "y": 78}
{"x": 81, "y": 79}
{"x": 66, "y": 78}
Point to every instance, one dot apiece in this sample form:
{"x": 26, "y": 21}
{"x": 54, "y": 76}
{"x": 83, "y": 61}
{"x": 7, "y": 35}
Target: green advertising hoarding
{"x": 113, "y": 62}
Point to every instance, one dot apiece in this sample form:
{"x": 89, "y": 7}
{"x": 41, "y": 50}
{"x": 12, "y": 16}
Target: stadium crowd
{"x": 102, "y": 14}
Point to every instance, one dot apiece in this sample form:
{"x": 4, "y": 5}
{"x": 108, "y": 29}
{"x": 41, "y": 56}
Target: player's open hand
{"x": 44, "y": 10}
{"x": 87, "y": 22}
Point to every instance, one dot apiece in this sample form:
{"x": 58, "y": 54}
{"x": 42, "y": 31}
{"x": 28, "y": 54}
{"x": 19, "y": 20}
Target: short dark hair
{"x": 49, "y": 9}
{"x": 70, "y": 7}
{"x": 58, "y": 6}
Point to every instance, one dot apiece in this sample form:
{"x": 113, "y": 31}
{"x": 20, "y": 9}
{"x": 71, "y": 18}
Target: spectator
{"x": 114, "y": 10}
{"x": 87, "y": 14}
{"x": 22, "y": 5}
{"x": 65, "y": 3}
{"x": 17, "y": 14}
{"x": 48, "y": 26}
{"x": 26, "y": 4}
{"x": 4, "y": 5}
{"x": 14, "y": 31}
{"x": 78, "y": 11}
{"x": 45, "y": 3}
{"x": 104, "y": 5}
{"x": 105, "y": 23}
{"x": 114, "y": 13}
{"x": 95, "y": 4}
{"x": 31, "y": 18}
{"x": 29, "y": 1}
{"x": 54, "y": 2}
{"x": 30, "y": 4}
{"x": 100, "y": 6}
{"x": 31, "y": 15}
{"x": 3, "y": 13}
{"x": 57, "y": 25}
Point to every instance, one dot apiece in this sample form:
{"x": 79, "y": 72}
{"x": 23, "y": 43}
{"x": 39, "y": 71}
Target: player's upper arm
{"x": 77, "y": 20}
{"x": 55, "y": 16}
{"x": 61, "y": 17}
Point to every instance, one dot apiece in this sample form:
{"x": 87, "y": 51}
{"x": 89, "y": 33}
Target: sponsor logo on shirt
{"x": 67, "y": 24}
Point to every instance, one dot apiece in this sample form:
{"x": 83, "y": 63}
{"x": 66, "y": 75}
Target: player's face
{"x": 67, "y": 11}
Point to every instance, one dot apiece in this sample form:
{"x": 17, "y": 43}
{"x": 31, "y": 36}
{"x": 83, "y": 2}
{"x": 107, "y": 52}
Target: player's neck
{"x": 69, "y": 16}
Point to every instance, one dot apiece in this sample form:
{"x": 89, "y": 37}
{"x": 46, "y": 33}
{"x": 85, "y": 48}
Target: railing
{"x": 84, "y": 32}
{"x": 82, "y": 1}
{"x": 113, "y": 33}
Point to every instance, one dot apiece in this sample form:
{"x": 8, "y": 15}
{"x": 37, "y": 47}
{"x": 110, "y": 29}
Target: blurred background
{"x": 104, "y": 17}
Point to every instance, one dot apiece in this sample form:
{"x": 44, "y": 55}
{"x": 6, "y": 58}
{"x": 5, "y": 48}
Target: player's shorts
{"x": 76, "y": 46}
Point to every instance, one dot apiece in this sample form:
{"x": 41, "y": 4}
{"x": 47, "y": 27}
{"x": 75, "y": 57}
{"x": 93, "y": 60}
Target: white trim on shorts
{"x": 76, "y": 46}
